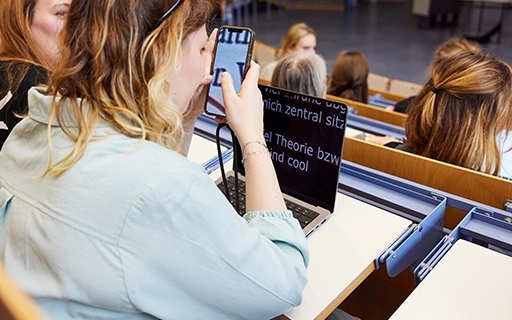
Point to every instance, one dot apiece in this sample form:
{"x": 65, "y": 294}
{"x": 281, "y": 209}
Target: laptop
{"x": 305, "y": 138}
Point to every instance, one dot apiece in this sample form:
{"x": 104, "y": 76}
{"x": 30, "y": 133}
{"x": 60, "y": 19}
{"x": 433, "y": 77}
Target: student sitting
{"x": 463, "y": 115}
{"x": 300, "y": 37}
{"x": 349, "y": 77}
{"x": 446, "y": 49}
{"x": 303, "y": 72}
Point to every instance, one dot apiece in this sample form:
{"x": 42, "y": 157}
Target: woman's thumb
{"x": 228, "y": 89}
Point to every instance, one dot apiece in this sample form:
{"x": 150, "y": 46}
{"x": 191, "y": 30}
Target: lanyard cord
{"x": 235, "y": 163}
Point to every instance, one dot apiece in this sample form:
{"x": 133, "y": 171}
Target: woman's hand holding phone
{"x": 233, "y": 51}
{"x": 244, "y": 111}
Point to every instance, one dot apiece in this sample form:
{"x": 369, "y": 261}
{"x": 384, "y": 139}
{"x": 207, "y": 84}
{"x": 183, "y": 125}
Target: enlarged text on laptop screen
{"x": 305, "y": 138}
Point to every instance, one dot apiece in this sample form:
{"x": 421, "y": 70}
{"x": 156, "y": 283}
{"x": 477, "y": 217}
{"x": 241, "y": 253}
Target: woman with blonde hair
{"x": 446, "y": 49}
{"x": 463, "y": 114}
{"x": 303, "y": 72}
{"x": 28, "y": 38}
{"x": 120, "y": 224}
{"x": 349, "y": 77}
{"x": 300, "y": 37}
{"x": 453, "y": 46}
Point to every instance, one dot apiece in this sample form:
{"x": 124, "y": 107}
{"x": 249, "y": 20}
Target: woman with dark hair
{"x": 28, "y": 38}
{"x": 349, "y": 77}
{"x": 101, "y": 215}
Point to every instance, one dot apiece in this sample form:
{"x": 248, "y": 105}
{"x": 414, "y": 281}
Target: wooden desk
{"x": 469, "y": 282}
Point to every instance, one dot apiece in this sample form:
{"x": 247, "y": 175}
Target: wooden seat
{"x": 263, "y": 53}
{"x": 395, "y": 97}
{"x": 459, "y": 181}
{"x": 14, "y": 304}
{"x": 378, "y": 82}
{"x": 372, "y": 112}
{"x": 404, "y": 88}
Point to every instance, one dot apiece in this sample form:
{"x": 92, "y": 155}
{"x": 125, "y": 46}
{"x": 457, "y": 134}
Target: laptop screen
{"x": 305, "y": 138}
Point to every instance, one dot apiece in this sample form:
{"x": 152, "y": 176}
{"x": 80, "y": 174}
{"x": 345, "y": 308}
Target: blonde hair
{"x": 349, "y": 76}
{"x": 115, "y": 62}
{"x": 461, "y": 111}
{"x": 18, "y": 47}
{"x": 293, "y": 36}
{"x": 452, "y": 46}
{"x": 301, "y": 71}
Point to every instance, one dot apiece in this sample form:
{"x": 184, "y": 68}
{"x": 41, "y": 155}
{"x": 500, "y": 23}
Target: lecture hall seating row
{"x": 459, "y": 181}
{"x": 372, "y": 112}
{"x": 390, "y": 89}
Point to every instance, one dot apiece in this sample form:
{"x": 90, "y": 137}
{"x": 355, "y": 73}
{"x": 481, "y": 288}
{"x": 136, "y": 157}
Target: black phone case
{"x": 247, "y": 61}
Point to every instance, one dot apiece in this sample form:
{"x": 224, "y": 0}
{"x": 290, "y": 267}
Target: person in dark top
{"x": 12, "y": 111}
{"x": 403, "y": 105}
{"x": 28, "y": 37}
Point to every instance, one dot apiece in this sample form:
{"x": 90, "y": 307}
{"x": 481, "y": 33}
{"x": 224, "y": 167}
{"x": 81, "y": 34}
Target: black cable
{"x": 235, "y": 168}
{"x": 235, "y": 164}
{"x": 221, "y": 160}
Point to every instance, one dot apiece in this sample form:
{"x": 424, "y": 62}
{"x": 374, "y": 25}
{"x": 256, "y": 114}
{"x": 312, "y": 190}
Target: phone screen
{"x": 232, "y": 54}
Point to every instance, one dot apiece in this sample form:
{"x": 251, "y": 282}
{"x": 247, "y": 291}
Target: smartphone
{"x": 233, "y": 52}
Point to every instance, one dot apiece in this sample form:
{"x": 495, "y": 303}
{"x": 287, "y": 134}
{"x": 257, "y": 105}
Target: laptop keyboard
{"x": 304, "y": 215}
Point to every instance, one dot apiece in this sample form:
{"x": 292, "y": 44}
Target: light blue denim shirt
{"x": 136, "y": 231}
